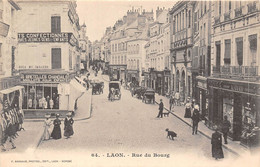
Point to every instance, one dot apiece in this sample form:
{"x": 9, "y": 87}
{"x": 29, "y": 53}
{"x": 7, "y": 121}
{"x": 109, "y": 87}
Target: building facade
{"x": 51, "y": 43}
{"x": 201, "y": 55}
{"x": 234, "y": 85}
{"x": 181, "y": 47}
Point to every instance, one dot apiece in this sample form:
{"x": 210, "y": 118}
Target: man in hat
{"x": 216, "y": 142}
{"x": 160, "y": 114}
{"x": 195, "y": 119}
{"x": 225, "y": 128}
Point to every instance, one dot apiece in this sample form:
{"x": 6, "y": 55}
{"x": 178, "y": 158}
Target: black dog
{"x": 166, "y": 114}
{"x": 171, "y": 134}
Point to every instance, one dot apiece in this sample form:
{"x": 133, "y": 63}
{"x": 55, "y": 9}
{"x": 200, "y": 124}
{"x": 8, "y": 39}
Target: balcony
{"x": 236, "y": 72}
{"x": 238, "y": 12}
{"x": 217, "y": 19}
{"x": 227, "y": 16}
{"x": 251, "y": 7}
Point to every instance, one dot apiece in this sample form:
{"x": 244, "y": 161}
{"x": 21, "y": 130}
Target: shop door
{"x": 237, "y": 120}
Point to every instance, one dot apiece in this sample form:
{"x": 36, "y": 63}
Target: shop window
{"x": 56, "y": 58}
{"x": 218, "y": 55}
{"x": 227, "y": 56}
{"x": 55, "y": 24}
{"x": 41, "y": 96}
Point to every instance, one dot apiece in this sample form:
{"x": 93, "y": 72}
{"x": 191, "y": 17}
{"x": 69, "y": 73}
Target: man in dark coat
{"x": 68, "y": 129}
{"x": 225, "y": 128}
{"x": 160, "y": 114}
{"x": 195, "y": 120}
{"x": 216, "y": 142}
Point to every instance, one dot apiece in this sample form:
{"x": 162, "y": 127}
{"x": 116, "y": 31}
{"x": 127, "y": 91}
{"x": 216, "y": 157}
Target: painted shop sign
{"x": 43, "y": 37}
{"x": 44, "y": 78}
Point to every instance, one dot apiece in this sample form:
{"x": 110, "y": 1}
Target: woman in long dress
{"x": 56, "y": 132}
{"x": 216, "y": 142}
{"x": 187, "y": 110}
{"x": 68, "y": 129}
{"x": 47, "y": 124}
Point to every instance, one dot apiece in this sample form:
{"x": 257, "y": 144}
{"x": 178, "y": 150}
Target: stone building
{"x": 234, "y": 84}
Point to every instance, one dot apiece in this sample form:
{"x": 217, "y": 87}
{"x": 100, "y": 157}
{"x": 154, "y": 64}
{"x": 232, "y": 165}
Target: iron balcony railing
{"x": 251, "y": 7}
{"x": 235, "y": 71}
{"x": 238, "y": 12}
{"x": 227, "y": 16}
{"x": 217, "y": 19}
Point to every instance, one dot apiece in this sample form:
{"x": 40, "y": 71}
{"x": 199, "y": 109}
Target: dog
{"x": 171, "y": 134}
{"x": 166, "y": 114}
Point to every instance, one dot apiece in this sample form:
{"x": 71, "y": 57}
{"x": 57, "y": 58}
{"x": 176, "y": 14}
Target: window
{"x": 13, "y": 59}
{"x": 227, "y": 54}
{"x": 189, "y": 19}
{"x": 205, "y": 6}
{"x": 56, "y": 58}
{"x": 253, "y": 48}
{"x": 55, "y": 24}
{"x": 239, "y": 42}
{"x": 70, "y": 59}
{"x": 219, "y": 8}
{"x": 229, "y": 5}
{"x": 0, "y": 49}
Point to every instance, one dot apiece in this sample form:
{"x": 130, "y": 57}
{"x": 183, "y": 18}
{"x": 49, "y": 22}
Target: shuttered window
{"x": 227, "y": 56}
{"x": 56, "y": 58}
{"x": 239, "y": 42}
{"x": 55, "y": 24}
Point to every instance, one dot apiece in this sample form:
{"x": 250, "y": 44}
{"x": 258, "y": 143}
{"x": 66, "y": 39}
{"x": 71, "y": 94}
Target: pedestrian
{"x": 47, "y": 124}
{"x": 187, "y": 109}
{"x": 56, "y": 132}
{"x": 225, "y": 128}
{"x": 216, "y": 143}
{"x": 160, "y": 114}
{"x": 195, "y": 119}
{"x": 68, "y": 122}
{"x": 171, "y": 102}
{"x": 177, "y": 98}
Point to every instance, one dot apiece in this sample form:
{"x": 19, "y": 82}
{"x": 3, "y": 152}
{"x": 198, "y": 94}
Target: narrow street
{"x": 130, "y": 126}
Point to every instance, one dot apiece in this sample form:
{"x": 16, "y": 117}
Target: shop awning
{"x": 12, "y": 89}
{"x": 77, "y": 85}
{"x": 80, "y": 81}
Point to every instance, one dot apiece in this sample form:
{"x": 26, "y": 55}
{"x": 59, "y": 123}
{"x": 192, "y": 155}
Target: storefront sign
{"x": 44, "y": 37}
{"x": 44, "y": 78}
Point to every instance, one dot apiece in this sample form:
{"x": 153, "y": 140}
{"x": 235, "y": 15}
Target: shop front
{"x": 147, "y": 80}
{"x": 237, "y": 100}
{"x": 202, "y": 98}
{"x": 133, "y": 76}
{"x": 166, "y": 82}
{"x": 49, "y": 92}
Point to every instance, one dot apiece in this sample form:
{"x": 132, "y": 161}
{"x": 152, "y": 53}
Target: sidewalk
{"x": 30, "y": 139}
{"x": 178, "y": 111}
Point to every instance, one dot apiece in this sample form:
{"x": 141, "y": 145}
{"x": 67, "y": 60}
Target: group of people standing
{"x": 56, "y": 132}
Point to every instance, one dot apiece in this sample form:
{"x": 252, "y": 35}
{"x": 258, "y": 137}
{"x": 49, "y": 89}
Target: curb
{"x": 207, "y": 136}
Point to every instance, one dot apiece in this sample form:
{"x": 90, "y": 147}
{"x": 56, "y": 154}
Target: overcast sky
{"x": 100, "y": 14}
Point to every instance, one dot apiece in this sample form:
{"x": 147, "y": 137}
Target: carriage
{"x": 114, "y": 90}
{"x": 97, "y": 87}
{"x": 139, "y": 92}
{"x": 149, "y": 96}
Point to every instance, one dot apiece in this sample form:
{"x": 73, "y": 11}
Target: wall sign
{"x": 44, "y": 78}
{"x": 43, "y": 37}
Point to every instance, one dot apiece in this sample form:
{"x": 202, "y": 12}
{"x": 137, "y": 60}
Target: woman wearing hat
{"x": 216, "y": 142}
{"x": 47, "y": 124}
{"x": 68, "y": 122}
{"x": 187, "y": 109}
{"x": 56, "y": 132}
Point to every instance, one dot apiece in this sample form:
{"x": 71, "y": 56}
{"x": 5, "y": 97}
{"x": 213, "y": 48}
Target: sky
{"x": 98, "y": 15}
